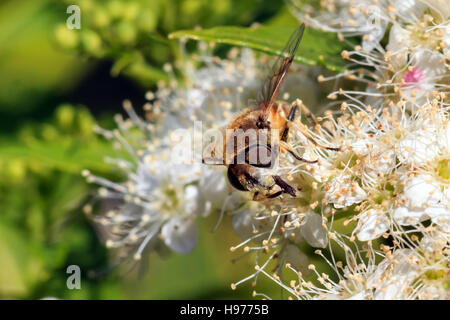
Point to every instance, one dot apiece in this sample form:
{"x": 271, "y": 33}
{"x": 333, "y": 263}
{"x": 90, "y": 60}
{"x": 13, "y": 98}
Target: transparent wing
{"x": 271, "y": 85}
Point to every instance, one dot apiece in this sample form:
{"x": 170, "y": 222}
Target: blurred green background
{"x": 54, "y": 85}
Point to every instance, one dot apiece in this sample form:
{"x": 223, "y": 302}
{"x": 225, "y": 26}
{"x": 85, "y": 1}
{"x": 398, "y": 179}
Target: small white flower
{"x": 365, "y": 18}
{"x": 180, "y": 235}
{"x": 398, "y": 44}
{"x": 416, "y": 271}
{"x": 213, "y": 186}
{"x": 344, "y": 191}
{"x": 419, "y": 146}
{"x": 372, "y": 224}
{"x": 194, "y": 203}
{"x": 409, "y": 10}
{"x": 247, "y": 226}
{"x": 395, "y": 278}
{"x": 352, "y": 280}
{"x": 424, "y": 198}
{"x": 313, "y": 230}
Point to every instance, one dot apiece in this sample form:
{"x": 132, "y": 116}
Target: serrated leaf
{"x": 317, "y": 47}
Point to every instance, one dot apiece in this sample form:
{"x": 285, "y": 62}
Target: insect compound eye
{"x": 234, "y": 181}
{"x": 261, "y": 156}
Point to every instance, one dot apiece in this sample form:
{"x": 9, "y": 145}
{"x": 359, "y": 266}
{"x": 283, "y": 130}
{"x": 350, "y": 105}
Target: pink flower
{"x": 414, "y": 77}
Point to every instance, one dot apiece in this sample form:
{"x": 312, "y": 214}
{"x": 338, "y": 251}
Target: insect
{"x": 270, "y": 120}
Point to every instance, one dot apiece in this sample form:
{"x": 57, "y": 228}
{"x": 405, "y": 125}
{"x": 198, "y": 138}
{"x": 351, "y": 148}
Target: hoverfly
{"x": 271, "y": 120}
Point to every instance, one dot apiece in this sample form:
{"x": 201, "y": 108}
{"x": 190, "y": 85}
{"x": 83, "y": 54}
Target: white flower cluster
{"x": 383, "y": 196}
{"x": 165, "y": 186}
{"x": 383, "y": 199}
{"x": 405, "y": 45}
{"x": 370, "y": 218}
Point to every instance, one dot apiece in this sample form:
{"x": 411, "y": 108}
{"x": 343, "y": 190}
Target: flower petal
{"x": 371, "y": 225}
{"x": 313, "y": 231}
{"x": 180, "y": 235}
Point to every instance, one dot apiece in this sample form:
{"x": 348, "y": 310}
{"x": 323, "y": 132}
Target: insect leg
{"x": 286, "y": 131}
{"x": 306, "y": 134}
{"x": 296, "y": 156}
{"x": 290, "y": 118}
{"x": 308, "y": 115}
{"x": 312, "y": 122}
{"x": 284, "y": 186}
{"x": 292, "y": 112}
{"x": 274, "y": 195}
{"x": 257, "y": 197}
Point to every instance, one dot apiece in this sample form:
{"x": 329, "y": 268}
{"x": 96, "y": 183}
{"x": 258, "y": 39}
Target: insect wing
{"x": 272, "y": 84}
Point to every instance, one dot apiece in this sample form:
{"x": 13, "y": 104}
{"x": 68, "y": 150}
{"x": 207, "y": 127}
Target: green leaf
{"x": 317, "y": 47}
{"x": 64, "y": 154}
